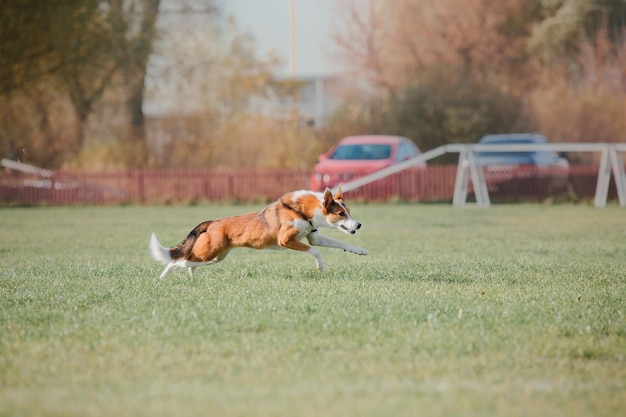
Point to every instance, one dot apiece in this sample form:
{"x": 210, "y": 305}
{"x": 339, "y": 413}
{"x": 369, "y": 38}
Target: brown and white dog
{"x": 282, "y": 224}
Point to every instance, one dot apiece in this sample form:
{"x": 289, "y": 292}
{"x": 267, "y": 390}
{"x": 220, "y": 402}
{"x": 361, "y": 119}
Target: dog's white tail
{"x": 159, "y": 252}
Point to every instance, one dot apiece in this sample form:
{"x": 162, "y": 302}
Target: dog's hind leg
{"x": 167, "y": 269}
{"x": 191, "y": 266}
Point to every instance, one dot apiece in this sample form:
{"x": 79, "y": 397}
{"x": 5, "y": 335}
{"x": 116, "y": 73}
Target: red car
{"x": 356, "y": 156}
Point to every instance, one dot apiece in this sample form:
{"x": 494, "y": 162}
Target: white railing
{"x": 469, "y": 168}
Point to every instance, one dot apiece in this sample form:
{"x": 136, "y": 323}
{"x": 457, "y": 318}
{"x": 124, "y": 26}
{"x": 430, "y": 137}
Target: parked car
{"x": 539, "y": 173}
{"x": 356, "y": 156}
{"x": 530, "y": 158}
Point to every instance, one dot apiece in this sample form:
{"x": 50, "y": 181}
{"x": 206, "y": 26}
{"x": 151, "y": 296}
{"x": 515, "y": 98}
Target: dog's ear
{"x": 339, "y": 194}
{"x": 328, "y": 197}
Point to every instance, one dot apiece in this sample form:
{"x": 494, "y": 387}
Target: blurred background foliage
{"x": 97, "y": 84}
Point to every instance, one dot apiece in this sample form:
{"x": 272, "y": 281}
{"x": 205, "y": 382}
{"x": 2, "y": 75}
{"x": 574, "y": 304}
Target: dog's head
{"x": 337, "y": 213}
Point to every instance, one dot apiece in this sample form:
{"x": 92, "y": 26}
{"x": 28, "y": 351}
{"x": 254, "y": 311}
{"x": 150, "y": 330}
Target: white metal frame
{"x": 469, "y": 168}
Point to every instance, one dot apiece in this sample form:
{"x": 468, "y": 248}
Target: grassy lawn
{"x": 515, "y": 310}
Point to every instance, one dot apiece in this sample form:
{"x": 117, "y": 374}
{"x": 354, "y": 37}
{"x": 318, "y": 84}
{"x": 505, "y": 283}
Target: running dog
{"x": 282, "y": 224}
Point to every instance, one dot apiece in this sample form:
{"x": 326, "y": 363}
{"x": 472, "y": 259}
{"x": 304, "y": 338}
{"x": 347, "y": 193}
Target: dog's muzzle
{"x": 349, "y": 230}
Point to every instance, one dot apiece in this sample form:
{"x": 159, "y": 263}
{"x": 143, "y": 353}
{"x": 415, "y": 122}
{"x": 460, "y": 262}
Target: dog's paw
{"x": 359, "y": 251}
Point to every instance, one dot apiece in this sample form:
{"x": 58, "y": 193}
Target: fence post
{"x": 604, "y": 177}
{"x": 141, "y": 185}
{"x": 462, "y": 179}
{"x": 620, "y": 178}
{"x": 478, "y": 179}
{"x": 231, "y": 185}
{"x": 469, "y": 168}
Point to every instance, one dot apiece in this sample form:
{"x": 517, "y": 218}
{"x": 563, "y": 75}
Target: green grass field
{"x": 515, "y": 310}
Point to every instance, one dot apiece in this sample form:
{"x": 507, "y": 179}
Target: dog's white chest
{"x": 304, "y": 227}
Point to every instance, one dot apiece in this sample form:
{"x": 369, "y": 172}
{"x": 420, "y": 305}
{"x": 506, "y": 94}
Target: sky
{"x": 268, "y": 22}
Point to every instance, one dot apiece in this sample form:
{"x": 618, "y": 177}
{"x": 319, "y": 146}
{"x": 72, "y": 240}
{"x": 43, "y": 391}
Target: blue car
{"x": 540, "y": 173}
{"x": 544, "y": 159}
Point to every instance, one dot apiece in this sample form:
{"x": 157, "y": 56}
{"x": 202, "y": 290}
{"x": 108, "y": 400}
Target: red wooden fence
{"x": 434, "y": 183}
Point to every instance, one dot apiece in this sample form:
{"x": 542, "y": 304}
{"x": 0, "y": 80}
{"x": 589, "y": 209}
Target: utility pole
{"x": 293, "y": 58}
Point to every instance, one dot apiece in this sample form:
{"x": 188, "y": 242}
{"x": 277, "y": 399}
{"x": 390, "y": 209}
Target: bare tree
{"x": 84, "y": 49}
{"x": 49, "y": 50}
{"x": 393, "y": 43}
{"x": 358, "y": 41}
{"x": 140, "y": 36}
{"x": 118, "y": 40}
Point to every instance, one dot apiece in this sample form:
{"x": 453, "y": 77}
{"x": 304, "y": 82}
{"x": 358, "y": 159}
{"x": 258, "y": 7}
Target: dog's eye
{"x": 342, "y": 214}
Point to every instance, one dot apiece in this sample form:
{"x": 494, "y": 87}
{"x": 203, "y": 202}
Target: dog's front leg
{"x": 316, "y": 238}
{"x": 289, "y": 239}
